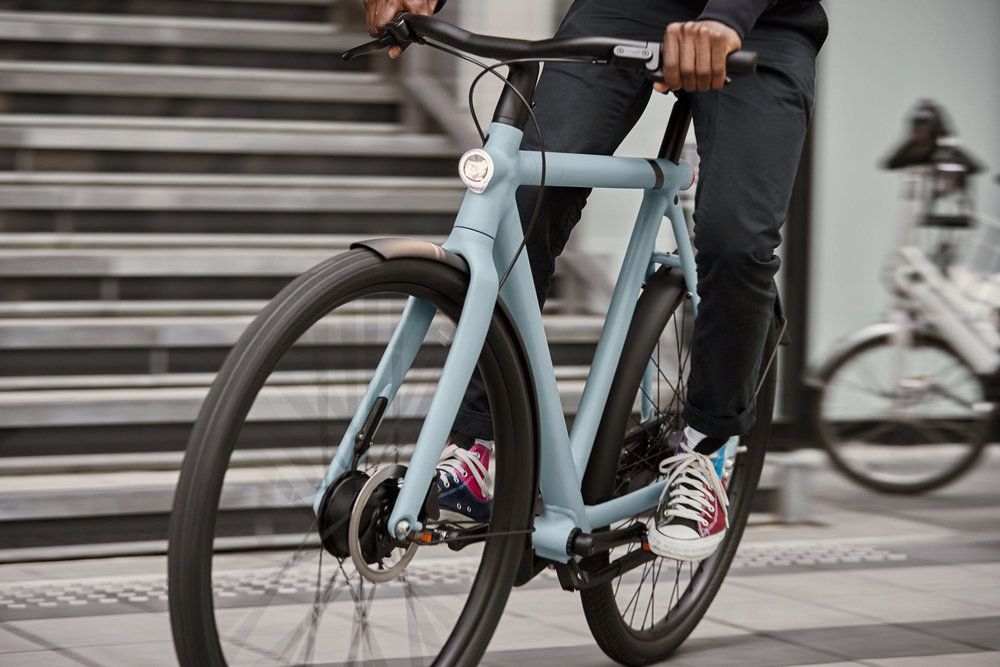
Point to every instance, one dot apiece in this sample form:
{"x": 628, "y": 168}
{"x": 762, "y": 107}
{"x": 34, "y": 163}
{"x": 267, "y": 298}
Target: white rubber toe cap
{"x": 676, "y": 531}
{"x": 681, "y": 542}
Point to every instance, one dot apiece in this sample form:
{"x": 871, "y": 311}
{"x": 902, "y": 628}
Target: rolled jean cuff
{"x": 715, "y": 427}
{"x": 474, "y": 424}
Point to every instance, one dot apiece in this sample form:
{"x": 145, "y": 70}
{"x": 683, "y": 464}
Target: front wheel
{"x": 900, "y": 418}
{"x": 645, "y": 614}
{"x": 254, "y": 576}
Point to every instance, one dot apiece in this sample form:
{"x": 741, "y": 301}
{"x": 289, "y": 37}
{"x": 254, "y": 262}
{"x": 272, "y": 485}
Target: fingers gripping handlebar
{"x": 405, "y": 29}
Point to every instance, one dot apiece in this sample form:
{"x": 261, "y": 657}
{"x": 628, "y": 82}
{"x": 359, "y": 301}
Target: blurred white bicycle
{"x": 907, "y": 405}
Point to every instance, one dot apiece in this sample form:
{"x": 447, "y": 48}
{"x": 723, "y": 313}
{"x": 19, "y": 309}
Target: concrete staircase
{"x": 166, "y": 166}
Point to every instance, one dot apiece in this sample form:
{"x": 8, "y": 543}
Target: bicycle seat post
{"x": 677, "y": 128}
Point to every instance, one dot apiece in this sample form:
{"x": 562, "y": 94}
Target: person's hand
{"x": 694, "y": 55}
{"x": 380, "y": 12}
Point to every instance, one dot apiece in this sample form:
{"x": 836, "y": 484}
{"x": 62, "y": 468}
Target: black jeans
{"x": 750, "y": 137}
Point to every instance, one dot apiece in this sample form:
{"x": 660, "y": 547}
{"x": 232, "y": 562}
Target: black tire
{"x": 833, "y": 434}
{"x": 662, "y": 305}
{"x": 299, "y": 306}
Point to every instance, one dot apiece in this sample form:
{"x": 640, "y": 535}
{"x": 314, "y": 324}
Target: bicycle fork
{"x": 473, "y": 239}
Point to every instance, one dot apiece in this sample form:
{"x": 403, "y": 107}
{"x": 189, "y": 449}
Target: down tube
{"x": 609, "y": 349}
{"x": 604, "y": 514}
{"x": 560, "y": 487}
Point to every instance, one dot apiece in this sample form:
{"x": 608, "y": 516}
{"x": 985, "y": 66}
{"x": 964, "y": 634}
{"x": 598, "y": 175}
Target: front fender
{"x": 397, "y": 248}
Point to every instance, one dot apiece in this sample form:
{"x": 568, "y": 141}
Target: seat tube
{"x": 685, "y": 250}
{"x": 609, "y": 347}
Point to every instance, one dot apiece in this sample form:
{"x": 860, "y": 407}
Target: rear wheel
{"x": 645, "y": 614}
{"x": 901, "y": 419}
{"x": 254, "y": 576}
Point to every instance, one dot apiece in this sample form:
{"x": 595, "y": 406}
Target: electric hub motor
{"x": 353, "y": 522}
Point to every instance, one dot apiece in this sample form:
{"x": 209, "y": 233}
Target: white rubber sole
{"x": 683, "y": 550}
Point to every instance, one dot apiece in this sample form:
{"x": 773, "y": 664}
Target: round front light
{"x": 476, "y": 168}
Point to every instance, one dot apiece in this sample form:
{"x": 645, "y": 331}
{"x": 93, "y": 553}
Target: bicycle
{"x": 425, "y": 316}
{"x": 907, "y": 405}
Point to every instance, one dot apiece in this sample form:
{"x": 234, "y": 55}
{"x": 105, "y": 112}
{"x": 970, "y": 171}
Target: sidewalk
{"x": 875, "y": 580}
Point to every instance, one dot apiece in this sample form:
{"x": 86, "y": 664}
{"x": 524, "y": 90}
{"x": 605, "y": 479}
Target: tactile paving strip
{"x": 810, "y": 555}
{"x": 298, "y": 585}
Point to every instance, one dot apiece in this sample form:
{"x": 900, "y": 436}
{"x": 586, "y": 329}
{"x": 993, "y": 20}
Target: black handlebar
{"x": 406, "y": 29}
{"x": 742, "y": 62}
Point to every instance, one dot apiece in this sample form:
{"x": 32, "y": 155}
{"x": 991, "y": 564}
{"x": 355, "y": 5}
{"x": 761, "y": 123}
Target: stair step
{"x": 185, "y": 81}
{"x": 145, "y": 461}
{"x": 224, "y": 330}
{"x": 177, "y": 40}
{"x": 228, "y": 193}
{"x": 176, "y": 31}
{"x": 104, "y": 309}
{"x": 62, "y": 218}
{"x": 308, "y": 11}
{"x": 116, "y": 242}
{"x": 76, "y": 309}
{"x": 279, "y": 485}
{"x": 269, "y": 482}
{"x": 281, "y": 403}
{"x": 60, "y": 143}
{"x": 38, "y": 132}
{"x": 27, "y": 123}
{"x": 160, "y": 263}
{"x": 197, "y": 56}
{"x": 106, "y": 341}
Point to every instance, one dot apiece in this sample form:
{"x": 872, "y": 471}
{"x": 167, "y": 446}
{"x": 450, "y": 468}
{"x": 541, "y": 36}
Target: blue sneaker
{"x": 465, "y": 482}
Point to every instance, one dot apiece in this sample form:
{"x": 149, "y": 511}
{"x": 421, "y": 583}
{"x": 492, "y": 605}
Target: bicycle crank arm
{"x": 589, "y": 544}
{"x": 573, "y": 578}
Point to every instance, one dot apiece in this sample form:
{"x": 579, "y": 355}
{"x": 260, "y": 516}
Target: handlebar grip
{"x": 741, "y": 62}
{"x": 737, "y": 62}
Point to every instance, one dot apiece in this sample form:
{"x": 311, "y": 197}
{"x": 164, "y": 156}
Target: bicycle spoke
{"x": 675, "y": 593}
{"x": 650, "y": 609}
{"x": 413, "y": 619}
{"x": 240, "y": 639}
{"x": 309, "y": 625}
{"x": 635, "y": 597}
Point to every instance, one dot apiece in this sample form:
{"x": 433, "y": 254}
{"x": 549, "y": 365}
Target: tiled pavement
{"x": 895, "y": 582}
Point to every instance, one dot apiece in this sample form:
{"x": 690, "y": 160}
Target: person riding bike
{"x": 750, "y": 137}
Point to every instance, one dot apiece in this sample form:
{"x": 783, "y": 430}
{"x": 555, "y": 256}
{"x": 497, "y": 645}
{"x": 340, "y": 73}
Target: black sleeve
{"x": 740, "y": 15}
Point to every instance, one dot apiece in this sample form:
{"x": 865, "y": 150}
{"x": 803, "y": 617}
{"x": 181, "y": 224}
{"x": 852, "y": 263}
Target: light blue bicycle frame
{"x": 487, "y": 234}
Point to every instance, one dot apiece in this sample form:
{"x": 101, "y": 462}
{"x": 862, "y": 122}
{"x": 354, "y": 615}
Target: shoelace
{"x": 690, "y": 472}
{"x": 455, "y": 459}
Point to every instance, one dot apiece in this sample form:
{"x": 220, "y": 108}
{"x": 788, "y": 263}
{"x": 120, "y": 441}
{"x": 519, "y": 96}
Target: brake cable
{"x": 491, "y": 69}
{"x": 391, "y": 38}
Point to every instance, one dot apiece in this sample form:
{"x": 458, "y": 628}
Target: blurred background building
{"x": 167, "y": 165}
